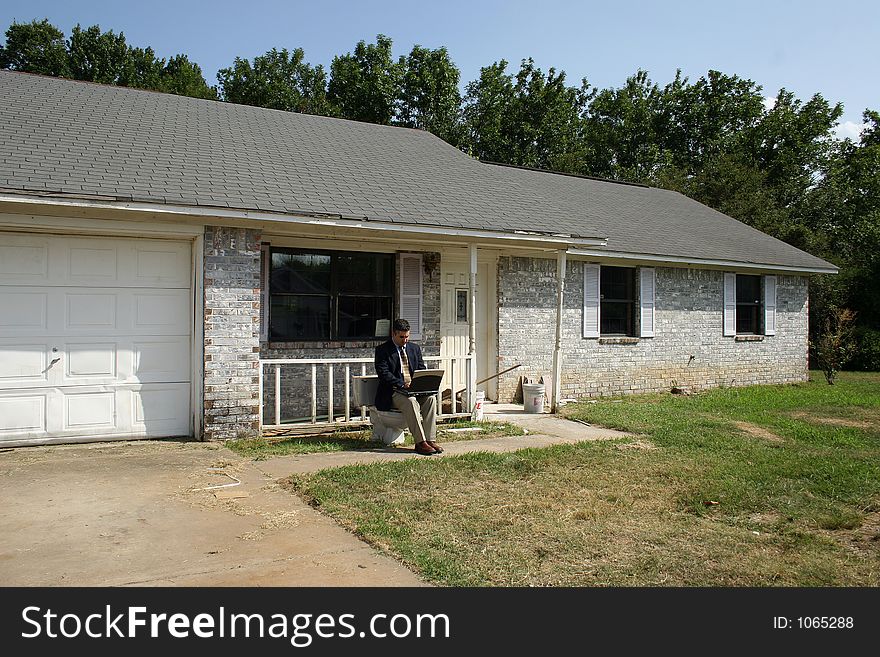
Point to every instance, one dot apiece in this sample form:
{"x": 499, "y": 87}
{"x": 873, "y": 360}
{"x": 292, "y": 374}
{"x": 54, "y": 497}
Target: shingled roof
{"x": 63, "y": 137}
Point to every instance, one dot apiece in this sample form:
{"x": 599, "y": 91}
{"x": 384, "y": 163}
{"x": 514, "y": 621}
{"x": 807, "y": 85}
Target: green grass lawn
{"x": 262, "y": 448}
{"x": 759, "y": 486}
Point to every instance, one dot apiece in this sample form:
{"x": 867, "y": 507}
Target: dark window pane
{"x": 748, "y": 289}
{"x": 300, "y": 273}
{"x": 364, "y": 273}
{"x": 299, "y": 318}
{"x": 617, "y": 283}
{"x": 617, "y": 318}
{"x": 747, "y": 318}
{"x": 358, "y": 316}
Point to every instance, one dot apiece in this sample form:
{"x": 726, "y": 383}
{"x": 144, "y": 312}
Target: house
{"x": 166, "y": 262}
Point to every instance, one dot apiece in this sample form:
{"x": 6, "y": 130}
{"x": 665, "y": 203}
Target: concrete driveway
{"x": 130, "y": 513}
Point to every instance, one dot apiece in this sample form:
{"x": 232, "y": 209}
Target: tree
{"x": 35, "y": 47}
{"x": 141, "y": 69}
{"x": 622, "y": 129}
{"x": 98, "y": 56}
{"x": 429, "y": 96}
{"x": 365, "y": 85}
{"x": 278, "y": 80}
{"x": 184, "y": 78}
{"x": 528, "y": 120}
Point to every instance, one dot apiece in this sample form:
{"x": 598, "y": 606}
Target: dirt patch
{"x": 863, "y": 539}
{"x": 757, "y": 432}
{"x": 834, "y": 421}
{"x": 271, "y": 522}
{"x": 638, "y": 444}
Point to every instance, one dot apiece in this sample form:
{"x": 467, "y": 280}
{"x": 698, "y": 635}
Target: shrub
{"x": 835, "y": 346}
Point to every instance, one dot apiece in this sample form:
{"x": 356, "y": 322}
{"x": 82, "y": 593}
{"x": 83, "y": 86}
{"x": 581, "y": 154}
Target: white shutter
{"x": 265, "y": 261}
{"x": 411, "y": 292}
{"x": 729, "y": 304}
{"x": 646, "y": 301}
{"x": 591, "y": 301}
{"x": 769, "y": 305}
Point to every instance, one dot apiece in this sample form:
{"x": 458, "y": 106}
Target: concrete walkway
{"x": 162, "y": 513}
{"x": 543, "y": 430}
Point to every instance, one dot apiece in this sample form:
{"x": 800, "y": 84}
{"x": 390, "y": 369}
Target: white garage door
{"x": 95, "y": 338}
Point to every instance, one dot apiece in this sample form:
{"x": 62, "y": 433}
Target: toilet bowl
{"x": 388, "y": 426}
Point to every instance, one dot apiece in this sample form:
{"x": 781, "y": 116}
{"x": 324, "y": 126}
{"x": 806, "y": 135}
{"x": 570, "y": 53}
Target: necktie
{"x": 407, "y": 377}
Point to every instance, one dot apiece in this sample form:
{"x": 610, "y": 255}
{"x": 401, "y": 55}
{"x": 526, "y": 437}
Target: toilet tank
{"x": 364, "y": 389}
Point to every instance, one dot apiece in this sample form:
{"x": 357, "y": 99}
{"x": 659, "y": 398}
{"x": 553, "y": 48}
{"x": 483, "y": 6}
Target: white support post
{"x": 314, "y": 393}
{"x": 472, "y": 328}
{"x": 260, "y": 379}
{"x": 277, "y": 395}
{"x": 347, "y": 392}
{"x": 363, "y": 408}
{"x": 561, "y": 260}
{"x": 330, "y": 393}
{"x": 452, "y": 378}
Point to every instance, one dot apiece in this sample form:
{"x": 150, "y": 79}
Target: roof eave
{"x": 678, "y": 261}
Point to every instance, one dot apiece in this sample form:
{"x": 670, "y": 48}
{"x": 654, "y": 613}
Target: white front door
{"x": 454, "y": 329}
{"x": 95, "y": 338}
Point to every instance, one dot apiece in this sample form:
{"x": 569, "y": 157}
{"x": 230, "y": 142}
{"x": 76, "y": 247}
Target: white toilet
{"x": 388, "y": 426}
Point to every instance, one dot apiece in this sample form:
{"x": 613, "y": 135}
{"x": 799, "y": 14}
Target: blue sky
{"x": 805, "y": 46}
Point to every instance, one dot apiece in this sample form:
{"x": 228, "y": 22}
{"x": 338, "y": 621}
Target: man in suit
{"x": 396, "y": 361}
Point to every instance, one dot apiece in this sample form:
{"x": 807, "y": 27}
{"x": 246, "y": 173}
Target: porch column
{"x": 561, "y": 258}
{"x": 472, "y": 326}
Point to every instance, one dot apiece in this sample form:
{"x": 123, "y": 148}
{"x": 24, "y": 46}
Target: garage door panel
{"x": 22, "y": 414}
{"x": 91, "y": 360}
{"x": 23, "y": 363}
{"x": 161, "y": 359}
{"x": 89, "y": 410}
{"x": 90, "y": 311}
{"x": 161, "y": 410}
{"x": 158, "y": 264}
{"x": 100, "y": 265}
{"x": 23, "y": 310}
{"x": 24, "y": 261}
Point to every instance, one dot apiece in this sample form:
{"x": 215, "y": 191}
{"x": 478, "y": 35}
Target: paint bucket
{"x": 533, "y": 397}
{"x": 477, "y": 413}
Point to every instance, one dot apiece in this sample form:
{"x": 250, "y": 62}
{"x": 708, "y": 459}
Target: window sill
{"x": 324, "y": 344}
{"x": 749, "y": 338}
{"x": 619, "y": 340}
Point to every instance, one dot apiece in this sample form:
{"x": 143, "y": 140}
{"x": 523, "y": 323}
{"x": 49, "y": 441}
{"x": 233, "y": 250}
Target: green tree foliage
{"x": 96, "y": 56}
{"x": 184, "y": 78}
{"x": 35, "y": 47}
{"x": 429, "y": 98}
{"x": 278, "y": 80}
{"x": 365, "y": 85}
{"x": 530, "y": 119}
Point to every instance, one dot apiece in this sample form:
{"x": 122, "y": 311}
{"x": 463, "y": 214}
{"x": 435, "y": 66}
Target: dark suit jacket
{"x": 388, "y": 369}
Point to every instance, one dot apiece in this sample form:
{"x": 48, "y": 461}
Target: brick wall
{"x": 232, "y": 324}
{"x": 688, "y": 322}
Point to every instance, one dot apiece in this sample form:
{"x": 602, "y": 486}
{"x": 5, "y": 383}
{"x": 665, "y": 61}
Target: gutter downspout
{"x": 561, "y": 260}
{"x": 472, "y": 326}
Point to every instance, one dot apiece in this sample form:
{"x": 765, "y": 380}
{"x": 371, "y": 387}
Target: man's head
{"x": 400, "y": 332}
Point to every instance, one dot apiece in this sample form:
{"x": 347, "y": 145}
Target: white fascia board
{"x": 701, "y": 262}
{"x": 257, "y": 216}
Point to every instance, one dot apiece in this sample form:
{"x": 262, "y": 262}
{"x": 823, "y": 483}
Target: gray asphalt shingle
{"x": 66, "y": 136}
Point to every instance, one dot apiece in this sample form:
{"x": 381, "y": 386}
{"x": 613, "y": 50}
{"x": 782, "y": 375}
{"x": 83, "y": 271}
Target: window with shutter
{"x": 411, "y": 292}
{"x": 729, "y": 304}
{"x": 646, "y": 302}
{"x": 769, "y": 305}
{"x": 591, "y": 301}
{"x": 265, "y": 260}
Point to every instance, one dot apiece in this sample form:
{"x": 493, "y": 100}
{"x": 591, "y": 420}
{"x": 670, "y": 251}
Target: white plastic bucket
{"x": 533, "y": 397}
{"x": 477, "y": 413}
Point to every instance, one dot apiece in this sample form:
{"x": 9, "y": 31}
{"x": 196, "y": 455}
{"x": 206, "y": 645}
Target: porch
{"x": 317, "y": 393}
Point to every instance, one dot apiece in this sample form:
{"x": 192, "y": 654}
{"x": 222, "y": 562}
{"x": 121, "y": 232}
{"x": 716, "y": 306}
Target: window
{"x": 749, "y": 307}
{"x": 329, "y": 295}
{"x": 617, "y": 301}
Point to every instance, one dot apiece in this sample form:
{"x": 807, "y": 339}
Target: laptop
{"x": 424, "y": 382}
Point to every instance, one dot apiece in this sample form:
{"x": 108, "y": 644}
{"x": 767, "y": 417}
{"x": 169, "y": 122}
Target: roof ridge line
{"x": 566, "y": 173}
